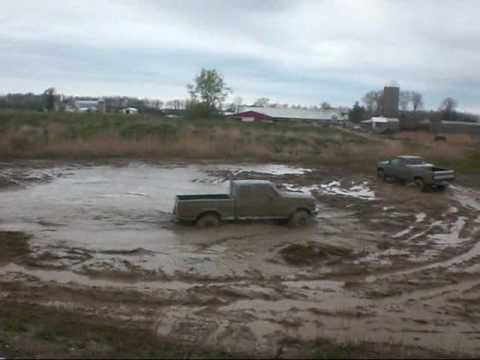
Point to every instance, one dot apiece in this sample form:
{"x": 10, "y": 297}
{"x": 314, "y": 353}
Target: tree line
{"x": 209, "y": 90}
{"x": 411, "y": 105}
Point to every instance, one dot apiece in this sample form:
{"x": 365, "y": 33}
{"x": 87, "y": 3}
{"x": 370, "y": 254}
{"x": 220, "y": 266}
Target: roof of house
{"x": 411, "y": 157}
{"x": 380, "y": 119}
{"x": 252, "y": 113}
{"x": 86, "y": 103}
{"x": 288, "y": 113}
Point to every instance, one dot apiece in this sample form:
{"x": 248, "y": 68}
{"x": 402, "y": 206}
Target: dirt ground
{"x": 383, "y": 270}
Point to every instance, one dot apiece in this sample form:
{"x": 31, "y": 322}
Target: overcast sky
{"x": 297, "y": 52}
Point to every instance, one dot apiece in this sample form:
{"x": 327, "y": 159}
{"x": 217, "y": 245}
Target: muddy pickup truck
{"x": 415, "y": 169}
{"x": 248, "y": 199}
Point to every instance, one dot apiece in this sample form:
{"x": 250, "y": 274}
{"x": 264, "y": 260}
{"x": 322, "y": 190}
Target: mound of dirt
{"x": 310, "y": 253}
{"x": 12, "y": 245}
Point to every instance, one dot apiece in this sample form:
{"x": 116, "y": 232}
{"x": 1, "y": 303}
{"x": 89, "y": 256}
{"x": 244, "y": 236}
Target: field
{"x": 66, "y": 135}
{"x": 91, "y": 264}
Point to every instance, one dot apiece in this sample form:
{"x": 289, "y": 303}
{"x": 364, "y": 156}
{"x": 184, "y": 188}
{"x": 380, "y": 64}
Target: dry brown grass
{"x": 428, "y": 138}
{"x": 290, "y": 144}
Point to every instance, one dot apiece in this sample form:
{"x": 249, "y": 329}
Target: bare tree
{"x": 178, "y": 104}
{"x": 237, "y": 103}
{"x": 262, "y": 102}
{"x": 417, "y": 100}
{"x": 325, "y": 105}
{"x": 447, "y": 107}
{"x": 49, "y": 95}
{"x": 373, "y": 101}
{"x": 404, "y": 99}
{"x": 369, "y": 100}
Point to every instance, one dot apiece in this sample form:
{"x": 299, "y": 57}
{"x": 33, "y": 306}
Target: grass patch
{"x": 469, "y": 162}
{"x": 340, "y": 351}
{"x": 49, "y": 332}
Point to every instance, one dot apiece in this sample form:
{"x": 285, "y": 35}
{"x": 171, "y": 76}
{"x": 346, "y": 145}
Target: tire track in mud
{"x": 452, "y": 232}
{"x": 260, "y": 311}
{"x": 225, "y": 239}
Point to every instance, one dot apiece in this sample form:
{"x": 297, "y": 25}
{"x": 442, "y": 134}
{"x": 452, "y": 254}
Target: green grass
{"x": 469, "y": 163}
{"x": 57, "y": 331}
{"x": 340, "y": 351}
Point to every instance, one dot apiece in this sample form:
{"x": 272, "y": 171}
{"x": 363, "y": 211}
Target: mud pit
{"x": 381, "y": 263}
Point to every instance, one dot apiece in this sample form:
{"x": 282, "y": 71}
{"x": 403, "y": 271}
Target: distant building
{"x": 129, "y": 111}
{"x": 269, "y": 114}
{"x": 460, "y": 127}
{"x": 380, "y": 124}
{"x": 89, "y": 105}
{"x": 253, "y": 116}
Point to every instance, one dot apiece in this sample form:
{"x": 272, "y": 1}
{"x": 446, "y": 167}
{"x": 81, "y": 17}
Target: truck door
{"x": 254, "y": 201}
{"x": 405, "y": 171}
{"x": 388, "y": 168}
{"x": 397, "y": 169}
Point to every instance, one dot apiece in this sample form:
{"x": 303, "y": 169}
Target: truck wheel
{"x": 420, "y": 184}
{"x": 208, "y": 220}
{"x": 381, "y": 174}
{"x": 299, "y": 218}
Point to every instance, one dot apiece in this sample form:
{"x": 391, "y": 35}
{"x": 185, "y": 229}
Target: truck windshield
{"x": 416, "y": 161}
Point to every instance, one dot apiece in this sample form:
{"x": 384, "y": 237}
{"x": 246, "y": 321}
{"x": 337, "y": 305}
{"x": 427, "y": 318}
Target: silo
{"x": 101, "y": 108}
{"x": 391, "y": 95}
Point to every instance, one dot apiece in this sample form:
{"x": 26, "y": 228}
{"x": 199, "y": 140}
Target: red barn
{"x": 253, "y": 116}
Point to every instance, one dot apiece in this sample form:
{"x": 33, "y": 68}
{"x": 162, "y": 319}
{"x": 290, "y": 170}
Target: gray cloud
{"x": 427, "y": 45}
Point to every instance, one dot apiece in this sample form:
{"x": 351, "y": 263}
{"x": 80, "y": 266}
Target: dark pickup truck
{"x": 415, "y": 169}
{"x": 248, "y": 199}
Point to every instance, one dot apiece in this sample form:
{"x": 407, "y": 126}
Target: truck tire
{"x": 381, "y": 174}
{"x": 299, "y": 218}
{"x": 208, "y": 220}
{"x": 420, "y": 184}
{"x": 442, "y": 187}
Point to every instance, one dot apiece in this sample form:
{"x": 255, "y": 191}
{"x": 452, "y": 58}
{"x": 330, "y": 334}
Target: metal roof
{"x": 409, "y": 157}
{"x": 460, "y": 123}
{"x": 380, "y": 119}
{"x": 86, "y": 103}
{"x": 288, "y": 113}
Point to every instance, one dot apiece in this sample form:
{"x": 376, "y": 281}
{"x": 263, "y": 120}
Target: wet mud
{"x": 380, "y": 264}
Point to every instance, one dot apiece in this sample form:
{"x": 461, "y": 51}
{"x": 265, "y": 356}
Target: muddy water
{"x": 117, "y": 219}
{"x": 412, "y": 256}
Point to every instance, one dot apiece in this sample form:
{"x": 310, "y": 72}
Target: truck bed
{"x": 189, "y": 207}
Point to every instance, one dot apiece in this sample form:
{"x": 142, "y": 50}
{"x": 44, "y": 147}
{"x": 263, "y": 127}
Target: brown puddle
{"x": 393, "y": 268}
